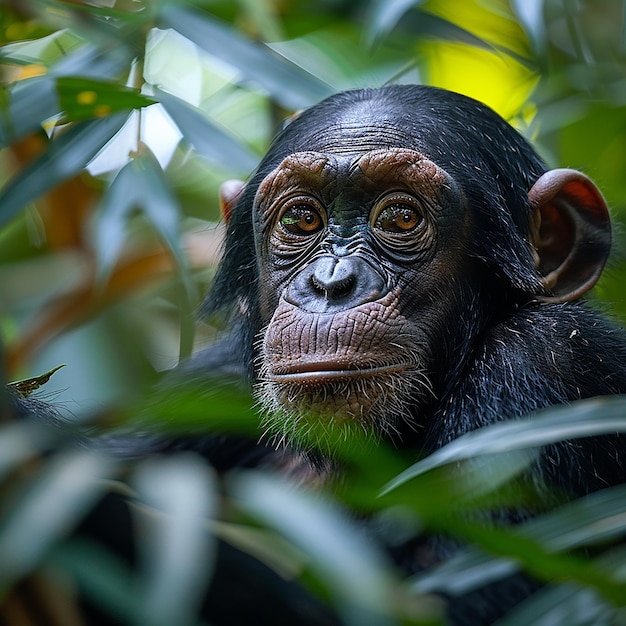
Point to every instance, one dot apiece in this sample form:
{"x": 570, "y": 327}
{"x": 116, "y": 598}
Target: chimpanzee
{"x": 403, "y": 263}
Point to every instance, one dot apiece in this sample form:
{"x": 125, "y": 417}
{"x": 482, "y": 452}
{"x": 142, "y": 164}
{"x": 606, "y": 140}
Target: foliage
{"x": 118, "y": 121}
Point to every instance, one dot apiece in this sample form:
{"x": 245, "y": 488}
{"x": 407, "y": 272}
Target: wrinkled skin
{"x": 354, "y": 252}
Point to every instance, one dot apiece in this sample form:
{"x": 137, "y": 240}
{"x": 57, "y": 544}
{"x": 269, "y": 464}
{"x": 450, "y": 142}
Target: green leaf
{"x": 176, "y": 549}
{"x": 138, "y": 185}
{"x": 290, "y": 85}
{"x": 585, "y": 418}
{"x": 44, "y": 50}
{"x": 264, "y": 545}
{"x": 595, "y": 519}
{"x": 354, "y": 571}
{"x": 24, "y": 440}
{"x": 65, "y": 157}
{"x": 414, "y": 24}
{"x": 566, "y": 604}
{"x": 81, "y": 98}
{"x": 530, "y": 13}
{"x": 100, "y": 575}
{"x": 206, "y": 137}
{"x": 30, "y": 102}
{"x": 524, "y": 552}
{"x": 384, "y": 15}
{"x": 92, "y": 62}
{"x": 47, "y": 511}
{"x": 183, "y": 406}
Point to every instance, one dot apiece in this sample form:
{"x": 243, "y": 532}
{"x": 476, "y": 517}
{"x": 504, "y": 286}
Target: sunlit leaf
{"x": 496, "y": 71}
{"x": 66, "y": 156}
{"x": 49, "y": 509}
{"x": 176, "y": 549}
{"x": 85, "y": 99}
{"x": 435, "y": 29}
{"x": 585, "y": 418}
{"x": 287, "y": 83}
{"x": 481, "y": 24}
{"x": 206, "y": 137}
{"x": 45, "y": 50}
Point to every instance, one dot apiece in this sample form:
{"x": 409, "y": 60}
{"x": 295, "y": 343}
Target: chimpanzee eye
{"x": 302, "y": 219}
{"x": 398, "y": 214}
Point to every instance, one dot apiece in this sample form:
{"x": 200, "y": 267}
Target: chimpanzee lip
{"x": 328, "y": 371}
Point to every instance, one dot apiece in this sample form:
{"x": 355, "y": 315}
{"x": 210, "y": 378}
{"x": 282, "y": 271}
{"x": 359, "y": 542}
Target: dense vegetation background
{"x": 119, "y": 119}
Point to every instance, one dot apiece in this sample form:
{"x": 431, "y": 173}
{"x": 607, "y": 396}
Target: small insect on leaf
{"x": 26, "y": 386}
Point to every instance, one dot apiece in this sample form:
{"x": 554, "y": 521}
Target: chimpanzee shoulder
{"x": 542, "y": 355}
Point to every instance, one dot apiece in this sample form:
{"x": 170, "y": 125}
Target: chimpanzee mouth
{"x": 317, "y": 403}
{"x": 320, "y": 372}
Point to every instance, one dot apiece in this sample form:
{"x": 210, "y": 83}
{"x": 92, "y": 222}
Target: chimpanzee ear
{"x": 571, "y": 233}
{"x": 230, "y": 191}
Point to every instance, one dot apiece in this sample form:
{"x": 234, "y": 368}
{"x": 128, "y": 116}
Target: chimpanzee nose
{"x": 332, "y": 284}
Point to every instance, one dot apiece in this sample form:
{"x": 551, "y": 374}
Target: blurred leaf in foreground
{"x": 66, "y": 156}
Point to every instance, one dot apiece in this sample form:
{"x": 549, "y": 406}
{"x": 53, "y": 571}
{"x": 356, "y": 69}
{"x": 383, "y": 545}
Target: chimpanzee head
{"x": 384, "y": 231}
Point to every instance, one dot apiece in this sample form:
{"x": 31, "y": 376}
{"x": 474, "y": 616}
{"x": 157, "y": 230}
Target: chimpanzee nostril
{"x": 333, "y": 284}
{"x": 333, "y": 288}
{"x": 343, "y": 288}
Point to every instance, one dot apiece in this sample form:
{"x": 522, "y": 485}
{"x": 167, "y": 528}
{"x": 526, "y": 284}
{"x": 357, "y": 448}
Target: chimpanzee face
{"x": 356, "y": 257}
{"x": 384, "y": 233}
